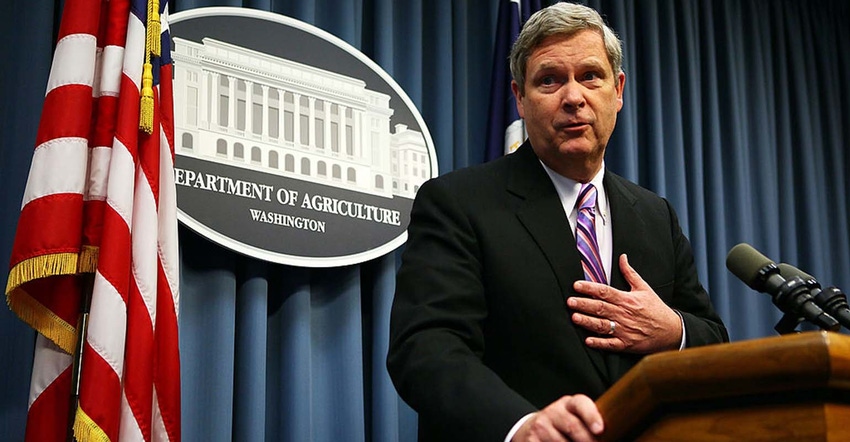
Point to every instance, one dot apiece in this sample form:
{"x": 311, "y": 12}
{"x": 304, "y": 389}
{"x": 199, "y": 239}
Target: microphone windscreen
{"x": 788, "y": 271}
{"x": 745, "y": 262}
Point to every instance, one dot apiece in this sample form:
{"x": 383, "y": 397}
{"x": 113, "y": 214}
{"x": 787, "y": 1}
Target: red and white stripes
{"x": 101, "y": 193}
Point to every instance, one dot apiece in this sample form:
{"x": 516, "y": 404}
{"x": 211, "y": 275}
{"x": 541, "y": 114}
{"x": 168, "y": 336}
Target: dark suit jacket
{"x": 480, "y": 333}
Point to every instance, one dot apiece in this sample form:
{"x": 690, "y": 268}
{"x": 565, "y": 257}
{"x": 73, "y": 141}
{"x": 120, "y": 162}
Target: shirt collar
{"x": 568, "y": 190}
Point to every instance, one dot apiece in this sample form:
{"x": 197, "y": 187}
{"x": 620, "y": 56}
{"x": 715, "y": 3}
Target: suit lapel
{"x": 543, "y": 216}
{"x": 625, "y": 221}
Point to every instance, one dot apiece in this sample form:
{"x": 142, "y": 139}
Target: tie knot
{"x": 587, "y": 197}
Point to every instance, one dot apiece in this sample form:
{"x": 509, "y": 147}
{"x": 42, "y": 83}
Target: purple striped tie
{"x": 591, "y": 261}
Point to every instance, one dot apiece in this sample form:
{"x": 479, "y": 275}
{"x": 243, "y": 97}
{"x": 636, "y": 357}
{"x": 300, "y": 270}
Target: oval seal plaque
{"x": 291, "y": 145}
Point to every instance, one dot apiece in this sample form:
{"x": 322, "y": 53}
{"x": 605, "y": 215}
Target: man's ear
{"x": 518, "y": 97}
{"x": 621, "y": 85}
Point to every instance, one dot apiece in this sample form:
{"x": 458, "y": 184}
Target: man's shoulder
{"x": 629, "y": 188}
{"x": 485, "y": 173}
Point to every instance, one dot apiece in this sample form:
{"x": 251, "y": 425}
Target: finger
{"x": 596, "y": 290}
{"x": 609, "y": 327}
{"x": 585, "y": 409}
{"x": 592, "y": 307}
{"x": 599, "y": 326}
{"x": 574, "y": 429}
{"x": 632, "y": 276}
{"x": 541, "y": 427}
{"x": 607, "y": 343}
{"x": 575, "y": 418}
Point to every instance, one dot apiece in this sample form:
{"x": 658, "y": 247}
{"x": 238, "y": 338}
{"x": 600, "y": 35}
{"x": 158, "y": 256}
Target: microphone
{"x": 832, "y": 300}
{"x": 791, "y": 295}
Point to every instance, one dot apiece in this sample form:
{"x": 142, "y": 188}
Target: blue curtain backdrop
{"x": 734, "y": 110}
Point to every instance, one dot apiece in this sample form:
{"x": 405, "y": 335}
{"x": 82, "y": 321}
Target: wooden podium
{"x": 784, "y": 388}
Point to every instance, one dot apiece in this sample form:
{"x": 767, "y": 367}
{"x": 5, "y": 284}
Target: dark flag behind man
{"x": 94, "y": 266}
{"x": 505, "y": 130}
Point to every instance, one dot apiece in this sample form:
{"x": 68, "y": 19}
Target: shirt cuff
{"x": 517, "y": 426}
{"x": 684, "y": 331}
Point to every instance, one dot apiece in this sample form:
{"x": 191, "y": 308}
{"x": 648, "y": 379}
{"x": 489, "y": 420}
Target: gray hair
{"x": 561, "y": 19}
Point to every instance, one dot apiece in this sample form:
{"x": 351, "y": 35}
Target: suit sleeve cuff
{"x": 517, "y": 426}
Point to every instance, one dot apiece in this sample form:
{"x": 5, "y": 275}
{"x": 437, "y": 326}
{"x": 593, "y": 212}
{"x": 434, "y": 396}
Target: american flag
{"x": 98, "y": 231}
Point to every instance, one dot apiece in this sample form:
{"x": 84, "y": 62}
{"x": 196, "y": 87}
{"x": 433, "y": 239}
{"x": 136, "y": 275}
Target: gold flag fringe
{"x": 52, "y": 265}
{"x": 41, "y": 267}
{"x": 43, "y": 320}
{"x": 39, "y": 317}
{"x": 88, "y": 259}
{"x": 85, "y": 428}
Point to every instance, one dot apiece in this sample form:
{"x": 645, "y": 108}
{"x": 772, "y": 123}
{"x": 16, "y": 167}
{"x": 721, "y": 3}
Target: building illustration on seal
{"x": 252, "y": 110}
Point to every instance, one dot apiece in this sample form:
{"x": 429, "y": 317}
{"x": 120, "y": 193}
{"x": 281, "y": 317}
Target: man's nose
{"x": 572, "y": 97}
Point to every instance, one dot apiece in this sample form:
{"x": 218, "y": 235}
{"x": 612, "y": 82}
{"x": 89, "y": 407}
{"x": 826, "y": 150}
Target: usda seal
{"x": 291, "y": 146}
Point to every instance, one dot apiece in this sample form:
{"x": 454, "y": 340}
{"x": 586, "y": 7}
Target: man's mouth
{"x": 573, "y": 125}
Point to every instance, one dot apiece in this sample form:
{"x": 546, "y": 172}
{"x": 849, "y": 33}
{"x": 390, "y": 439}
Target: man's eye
{"x": 590, "y": 76}
{"x": 547, "y": 81}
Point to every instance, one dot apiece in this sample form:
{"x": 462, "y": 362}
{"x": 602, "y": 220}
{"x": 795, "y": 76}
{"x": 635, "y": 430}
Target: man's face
{"x": 570, "y": 102}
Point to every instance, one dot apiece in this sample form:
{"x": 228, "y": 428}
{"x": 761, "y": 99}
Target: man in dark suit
{"x": 498, "y": 331}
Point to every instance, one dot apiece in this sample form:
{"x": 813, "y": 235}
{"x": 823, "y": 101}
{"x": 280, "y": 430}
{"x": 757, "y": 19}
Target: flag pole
{"x": 87, "y": 286}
